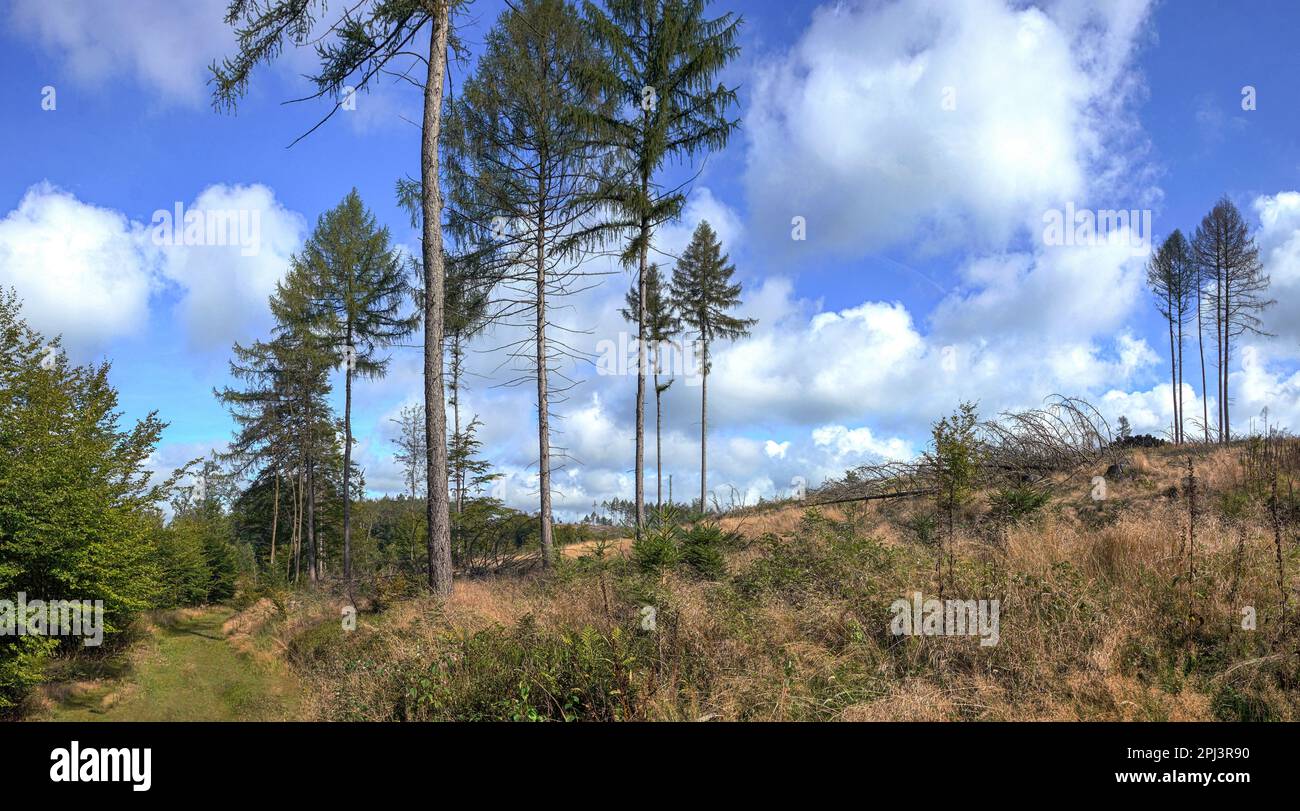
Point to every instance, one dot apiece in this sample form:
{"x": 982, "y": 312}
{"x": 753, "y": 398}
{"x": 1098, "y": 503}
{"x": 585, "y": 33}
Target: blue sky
{"x": 921, "y": 142}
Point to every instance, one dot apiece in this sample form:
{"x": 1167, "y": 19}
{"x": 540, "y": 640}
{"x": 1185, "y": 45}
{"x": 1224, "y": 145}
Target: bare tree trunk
{"x": 1200, "y": 341}
{"x": 1173, "y": 374}
{"x": 313, "y": 546}
{"x": 704, "y": 432}
{"x": 347, "y": 463}
{"x": 1218, "y": 334}
{"x": 275, "y": 517}
{"x": 1226, "y": 436}
{"x": 435, "y": 415}
{"x": 1182, "y": 417}
{"x": 659, "y": 445}
{"x": 297, "y": 527}
{"x": 640, "y": 368}
{"x": 543, "y": 420}
{"x": 455, "y": 409}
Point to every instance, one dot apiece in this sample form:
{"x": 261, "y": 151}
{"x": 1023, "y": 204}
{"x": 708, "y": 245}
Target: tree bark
{"x": 1182, "y": 417}
{"x": 659, "y": 444}
{"x": 455, "y": 410}
{"x": 435, "y": 416}
{"x": 704, "y": 432}
{"x": 312, "y": 541}
{"x": 300, "y": 495}
{"x": 1173, "y": 373}
{"x": 639, "y": 471}
{"x": 1219, "y": 332}
{"x": 543, "y": 403}
{"x": 1200, "y": 342}
{"x": 347, "y": 461}
{"x": 275, "y": 518}
{"x": 1226, "y": 434}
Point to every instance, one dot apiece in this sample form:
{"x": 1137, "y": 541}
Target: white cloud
{"x": 1278, "y": 238}
{"x": 165, "y": 45}
{"x": 859, "y": 442}
{"x": 83, "y": 271}
{"x": 776, "y": 450}
{"x": 1074, "y": 292}
{"x": 673, "y": 237}
{"x": 92, "y": 274}
{"x": 226, "y": 286}
{"x": 850, "y": 128}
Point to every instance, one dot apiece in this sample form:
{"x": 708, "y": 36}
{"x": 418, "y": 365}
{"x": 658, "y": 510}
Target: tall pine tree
{"x": 525, "y": 180}
{"x": 661, "y": 326}
{"x": 705, "y": 293}
{"x": 1230, "y": 267}
{"x": 662, "y": 59}
{"x": 359, "y": 301}
{"x": 365, "y": 41}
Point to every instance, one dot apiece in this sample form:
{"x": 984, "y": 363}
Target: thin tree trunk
{"x": 1226, "y": 436}
{"x": 640, "y": 366}
{"x": 1182, "y": 417}
{"x": 275, "y": 518}
{"x": 1173, "y": 373}
{"x": 543, "y": 421}
{"x": 347, "y": 463}
{"x": 455, "y": 406}
{"x": 659, "y": 446}
{"x": 1200, "y": 342}
{"x": 704, "y": 432}
{"x": 297, "y": 527}
{"x": 312, "y": 541}
{"x": 1218, "y": 333}
{"x": 435, "y": 415}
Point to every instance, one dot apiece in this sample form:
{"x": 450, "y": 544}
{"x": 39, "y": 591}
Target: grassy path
{"x": 186, "y": 670}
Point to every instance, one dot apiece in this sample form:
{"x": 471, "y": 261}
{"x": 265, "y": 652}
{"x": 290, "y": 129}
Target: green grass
{"x": 186, "y": 670}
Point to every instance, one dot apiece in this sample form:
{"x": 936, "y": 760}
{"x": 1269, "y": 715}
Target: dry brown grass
{"x": 1101, "y": 618}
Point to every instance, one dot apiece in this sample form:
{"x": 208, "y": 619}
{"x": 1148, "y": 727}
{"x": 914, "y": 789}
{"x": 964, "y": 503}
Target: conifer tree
{"x": 524, "y": 181}
{"x": 704, "y": 295}
{"x": 358, "y": 301}
{"x": 467, "y": 311}
{"x": 662, "y": 59}
{"x": 365, "y": 41}
{"x": 661, "y": 327}
{"x": 302, "y": 352}
{"x": 1166, "y": 276}
{"x": 1229, "y": 262}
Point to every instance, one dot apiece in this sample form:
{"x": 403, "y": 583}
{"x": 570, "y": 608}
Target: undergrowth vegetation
{"x": 1109, "y": 610}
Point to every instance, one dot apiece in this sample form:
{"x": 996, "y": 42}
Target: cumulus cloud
{"x": 92, "y": 274}
{"x": 98, "y": 41}
{"x": 1278, "y": 238}
{"x": 673, "y": 237}
{"x": 934, "y": 122}
{"x": 815, "y": 391}
{"x": 846, "y": 442}
{"x": 83, "y": 271}
{"x": 1077, "y": 291}
{"x": 228, "y": 262}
